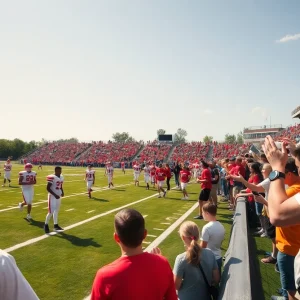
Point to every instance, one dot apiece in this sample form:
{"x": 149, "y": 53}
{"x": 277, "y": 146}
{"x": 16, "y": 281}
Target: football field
{"x": 63, "y": 265}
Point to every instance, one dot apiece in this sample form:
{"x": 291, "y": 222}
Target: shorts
{"x": 136, "y": 176}
{"x": 183, "y": 185}
{"x": 236, "y": 190}
{"x": 160, "y": 183}
{"x": 147, "y": 178}
{"x": 286, "y": 268}
{"x": 7, "y": 175}
{"x": 89, "y": 184}
{"x": 27, "y": 195}
{"x": 204, "y": 195}
{"x": 271, "y": 230}
{"x": 53, "y": 204}
{"x": 258, "y": 208}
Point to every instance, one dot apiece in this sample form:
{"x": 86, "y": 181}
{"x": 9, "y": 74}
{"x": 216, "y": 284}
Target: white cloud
{"x": 208, "y": 111}
{"x": 289, "y": 38}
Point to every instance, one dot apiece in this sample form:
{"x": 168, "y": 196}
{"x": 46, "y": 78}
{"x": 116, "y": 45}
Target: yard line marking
{"x": 144, "y": 242}
{"x": 158, "y": 229}
{"x": 38, "y": 194}
{"x": 42, "y": 237}
{"x": 11, "y": 206}
{"x": 151, "y": 235}
{"x": 170, "y": 229}
{"x": 90, "y": 211}
{"x": 42, "y": 201}
{"x": 170, "y": 218}
{"x": 46, "y": 207}
{"x": 145, "y": 216}
{"x": 177, "y": 214}
{"x": 70, "y": 209}
{"x": 165, "y": 223}
{"x": 35, "y": 205}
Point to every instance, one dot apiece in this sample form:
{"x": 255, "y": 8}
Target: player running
{"x": 136, "y": 173}
{"x": 185, "y": 176}
{"x": 152, "y": 174}
{"x": 40, "y": 166}
{"x": 27, "y": 179}
{"x": 109, "y": 171}
{"x": 123, "y": 166}
{"x": 160, "y": 176}
{"x": 147, "y": 175}
{"x": 90, "y": 179}
{"x": 55, "y": 192}
{"x": 7, "y": 172}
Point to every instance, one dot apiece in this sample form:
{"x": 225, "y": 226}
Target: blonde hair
{"x": 190, "y": 230}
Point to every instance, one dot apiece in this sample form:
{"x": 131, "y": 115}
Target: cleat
{"x": 198, "y": 217}
{"x": 159, "y": 196}
{"x": 28, "y": 217}
{"x": 20, "y": 206}
{"x": 46, "y": 228}
{"x": 165, "y": 194}
{"x": 58, "y": 228}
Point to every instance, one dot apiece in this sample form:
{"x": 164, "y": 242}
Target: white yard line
{"x": 151, "y": 235}
{"x": 70, "y": 209}
{"x": 159, "y": 229}
{"x": 90, "y": 211}
{"x": 170, "y": 229}
{"x": 42, "y": 237}
{"x": 165, "y": 223}
{"x": 43, "y": 201}
{"x": 145, "y": 216}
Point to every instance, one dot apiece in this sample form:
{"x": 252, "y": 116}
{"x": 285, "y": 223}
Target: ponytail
{"x": 193, "y": 253}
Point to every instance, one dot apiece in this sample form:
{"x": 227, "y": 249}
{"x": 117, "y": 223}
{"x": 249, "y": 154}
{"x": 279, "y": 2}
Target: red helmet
{"x": 28, "y": 166}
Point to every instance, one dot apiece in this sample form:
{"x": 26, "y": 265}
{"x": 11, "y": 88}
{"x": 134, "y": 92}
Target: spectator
{"x": 168, "y": 175}
{"x": 213, "y": 232}
{"x": 215, "y": 182}
{"x": 188, "y": 278}
{"x": 136, "y": 274}
{"x": 177, "y": 170}
{"x": 13, "y": 285}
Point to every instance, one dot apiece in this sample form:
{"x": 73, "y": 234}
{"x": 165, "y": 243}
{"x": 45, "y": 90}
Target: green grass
{"x": 63, "y": 266}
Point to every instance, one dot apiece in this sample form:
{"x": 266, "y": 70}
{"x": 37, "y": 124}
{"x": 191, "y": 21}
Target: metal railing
{"x": 240, "y": 280}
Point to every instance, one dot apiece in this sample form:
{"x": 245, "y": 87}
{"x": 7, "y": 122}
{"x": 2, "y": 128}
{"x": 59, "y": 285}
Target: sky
{"x": 88, "y": 69}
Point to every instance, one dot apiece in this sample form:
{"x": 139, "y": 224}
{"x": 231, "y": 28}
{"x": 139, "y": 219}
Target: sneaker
{"x": 46, "y": 228}
{"x": 186, "y": 198}
{"x": 9, "y": 185}
{"x": 159, "y": 196}
{"x": 58, "y": 228}
{"x": 3, "y": 185}
{"x": 198, "y": 217}
{"x": 20, "y": 206}
{"x": 276, "y": 268}
{"x": 260, "y": 231}
{"x": 183, "y": 198}
{"x": 263, "y": 235}
{"x": 269, "y": 260}
{"x": 278, "y": 298}
{"x": 165, "y": 192}
{"x": 28, "y": 217}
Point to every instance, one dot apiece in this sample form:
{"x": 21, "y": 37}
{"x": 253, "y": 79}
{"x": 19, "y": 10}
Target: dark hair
{"x": 130, "y": 227}
{"x": 250, "y": 160}
{"x": 291, "y": 166}
{"x": 257, "y": 170}
{"x": 205, "y": 164}
{"x": 297, "y": 153}
{"x": 210, "y": 208}
{"x": 264, "y": 157}
{"x": 57, "y": 168}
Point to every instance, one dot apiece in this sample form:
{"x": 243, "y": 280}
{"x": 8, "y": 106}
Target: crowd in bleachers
{"x": 155, "y": 151}
{"x": 221, "y": 150}
{"x": 291, "y": 132}
{"x": 190, "y": 152}
{"x": 54, "y": 153}
{"x": 101, "y": 152}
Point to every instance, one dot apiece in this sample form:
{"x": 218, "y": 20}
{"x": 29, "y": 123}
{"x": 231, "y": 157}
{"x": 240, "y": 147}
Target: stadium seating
{"x": 190, "y": 152}
{"x": 154, "y": 151}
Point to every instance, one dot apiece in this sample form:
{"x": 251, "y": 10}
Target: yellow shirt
{"x": 288, "y": 238}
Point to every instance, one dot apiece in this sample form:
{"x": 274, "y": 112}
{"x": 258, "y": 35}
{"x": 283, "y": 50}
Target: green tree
{"x": 207, "y": 139}
{"x": 180, "y": 135}
{"x": 15, "y": 148}
{"x": 160, "y": 131}
{"x": 230, "y": 138}
{"x": 123, "y": 137}
{"x": 240, "y": 138}
{"x": 70, "y": 140}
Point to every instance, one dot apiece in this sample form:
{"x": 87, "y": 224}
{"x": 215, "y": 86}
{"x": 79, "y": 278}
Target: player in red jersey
{"x": 161, "y": 176}
{"x": 152, "y": 174}
{"x": 185, "y": 176}
{"x": 123, "y": 166}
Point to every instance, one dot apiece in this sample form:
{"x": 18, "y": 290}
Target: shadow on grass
{"x": 14, "y": 187}
{"x": 99, "y": 199}
{"x": 77, "y": 241}
{"x": 119, "y": 190}
{"x": 36, "y": 223}
{"x": 179, "y": 199}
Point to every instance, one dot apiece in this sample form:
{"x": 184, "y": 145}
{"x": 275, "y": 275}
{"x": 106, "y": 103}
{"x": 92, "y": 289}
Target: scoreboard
{"x": 165, "y": 138}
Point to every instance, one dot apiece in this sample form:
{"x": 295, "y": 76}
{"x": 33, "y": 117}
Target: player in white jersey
{"x": 147, "y": 175}
{"x": 27, "y": 179}
{"x": 7, "y": 171}
{"x": 136, "y": 173}
{"x": 55, "y": 192}
{"x": 109, "y": 172}
{"x": 90, "y": 179}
